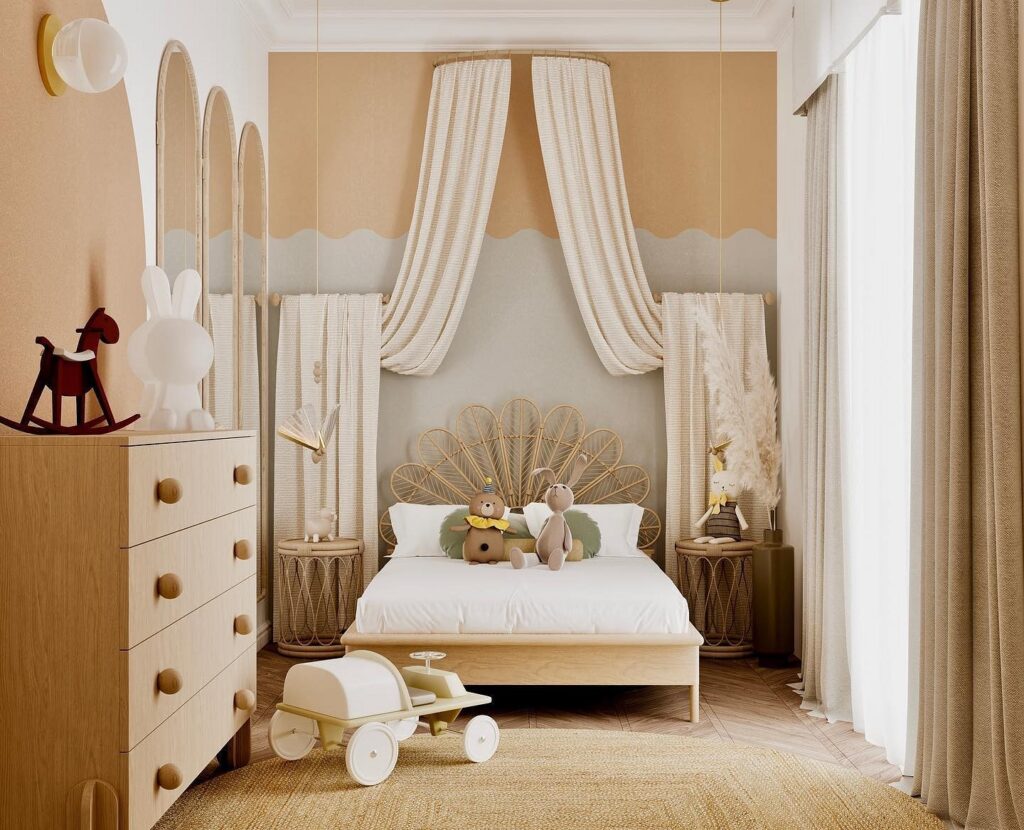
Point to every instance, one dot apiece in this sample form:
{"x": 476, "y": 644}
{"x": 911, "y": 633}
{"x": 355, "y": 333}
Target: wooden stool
{"x": 718, "y": 583}
{"x": 320, "y": 583}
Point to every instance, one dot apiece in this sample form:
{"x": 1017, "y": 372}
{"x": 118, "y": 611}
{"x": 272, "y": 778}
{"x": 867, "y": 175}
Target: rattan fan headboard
{"x": 507, "y": 447}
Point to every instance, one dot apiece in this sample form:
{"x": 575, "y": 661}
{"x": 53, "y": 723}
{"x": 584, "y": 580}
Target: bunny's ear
{"x": 157, "y": 291}
{"x": 187, "y": 288}
{"x": 545, "y": 473}
{"x": 577, "y": 470}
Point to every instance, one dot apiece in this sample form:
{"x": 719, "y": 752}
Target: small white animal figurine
{"x": 319, "y": 528}
{"x": 171, "y": 354}
{"x": 554, "y": 542}
{"x": 723, "y": 521}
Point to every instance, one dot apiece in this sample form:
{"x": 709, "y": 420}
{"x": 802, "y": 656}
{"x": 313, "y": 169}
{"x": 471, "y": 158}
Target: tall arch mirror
{"x": 178, "y": 207}
{"x": 220, "y": 259}
{"x": 253, "y": 312}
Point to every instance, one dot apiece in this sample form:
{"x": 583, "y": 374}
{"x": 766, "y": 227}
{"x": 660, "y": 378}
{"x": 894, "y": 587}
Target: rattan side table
{"x": 718, "y": 583}
{"x": 320, "y": 583}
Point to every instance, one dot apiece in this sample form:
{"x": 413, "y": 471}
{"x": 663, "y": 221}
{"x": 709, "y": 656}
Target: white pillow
{"x": 619, "y": 525}
{"x": 417, "y": 527}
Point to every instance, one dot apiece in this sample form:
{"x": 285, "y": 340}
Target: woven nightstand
{"x": 718, "y": 583}
{"x": 320, "y": 583}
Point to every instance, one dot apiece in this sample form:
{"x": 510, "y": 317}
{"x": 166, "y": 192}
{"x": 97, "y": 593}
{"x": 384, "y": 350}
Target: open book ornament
{"x": 305, "y": 429}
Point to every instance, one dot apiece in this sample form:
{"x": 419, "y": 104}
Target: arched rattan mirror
{"x": 220, "y": 258}
{"x": 178, "y": 163}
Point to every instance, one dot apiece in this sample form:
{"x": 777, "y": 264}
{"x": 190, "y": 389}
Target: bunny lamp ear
{"x": 545, "y": 473}
{"x": 187, "y": 288}
{"x": 157, "y": 291}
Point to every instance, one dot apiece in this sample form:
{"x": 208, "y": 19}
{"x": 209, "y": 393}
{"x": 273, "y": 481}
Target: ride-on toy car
{"x": 366, "y": 692}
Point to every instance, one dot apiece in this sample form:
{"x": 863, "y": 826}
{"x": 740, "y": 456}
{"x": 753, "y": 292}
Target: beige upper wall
{"x": 373, "y": 109}
{"x": 71, "y": 232}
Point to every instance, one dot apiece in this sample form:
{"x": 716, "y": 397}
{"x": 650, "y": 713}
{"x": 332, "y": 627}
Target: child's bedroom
{"x": 511, "y": 415}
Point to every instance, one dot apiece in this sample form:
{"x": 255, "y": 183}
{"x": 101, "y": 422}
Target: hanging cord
{"x": 721, "y": 102}
{"x": 316, "y": 127}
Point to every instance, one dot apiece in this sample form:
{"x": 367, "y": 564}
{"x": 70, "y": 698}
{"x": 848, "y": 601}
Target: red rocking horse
{"x": 73, "y": 374}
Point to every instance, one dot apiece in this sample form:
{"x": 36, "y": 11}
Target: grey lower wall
{"x": 522, "y": 334}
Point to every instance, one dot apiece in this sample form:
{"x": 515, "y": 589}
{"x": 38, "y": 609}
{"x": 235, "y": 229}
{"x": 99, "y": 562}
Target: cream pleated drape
{"x": 825, "y": 663}
{"x": 631, "y": 333}
{"x": 220, "y": 382}
{"x": 689, "y": 425}
{"x": 579, "y": 139}
{"x": 970, "y": 747}
{"x": 353, "y": 337}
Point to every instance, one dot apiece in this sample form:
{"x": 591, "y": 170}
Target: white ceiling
{"x": 445, "y": 25}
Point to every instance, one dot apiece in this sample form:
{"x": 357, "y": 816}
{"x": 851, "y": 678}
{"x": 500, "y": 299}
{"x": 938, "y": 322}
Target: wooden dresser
{"x": 127, "y": 621}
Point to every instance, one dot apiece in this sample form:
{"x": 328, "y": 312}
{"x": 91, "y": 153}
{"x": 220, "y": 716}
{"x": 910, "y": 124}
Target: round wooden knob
{"x": 243, "y": 474}
{"x": 243, "y": 624}
{"x": 169, "y": 490}
{"x": 245, "y": 699}
{"x": 169, "y": 586}
{"x": 169, "y": 681}
{"x": 243, "y": 550}
{"x": 168, "y": 777}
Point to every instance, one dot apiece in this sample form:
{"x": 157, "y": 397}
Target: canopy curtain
{"x": 631, "y": 333}
{"x": 353, "y": 338}
{"x": 970, "y": 742}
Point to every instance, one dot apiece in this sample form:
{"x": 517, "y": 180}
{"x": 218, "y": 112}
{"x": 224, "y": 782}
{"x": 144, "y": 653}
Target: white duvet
{"x": 434, "y": 595}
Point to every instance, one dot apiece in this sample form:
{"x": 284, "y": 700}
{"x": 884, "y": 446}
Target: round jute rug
{"x": 554, "y": 779}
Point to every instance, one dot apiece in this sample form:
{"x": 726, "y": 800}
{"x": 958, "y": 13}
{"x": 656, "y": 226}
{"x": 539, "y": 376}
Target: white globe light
{"x": 90, "y": 55}
{"x": 178, "y": 352}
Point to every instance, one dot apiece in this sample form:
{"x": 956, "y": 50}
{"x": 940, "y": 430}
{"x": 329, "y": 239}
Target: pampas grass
{"x": 745, "y": 411}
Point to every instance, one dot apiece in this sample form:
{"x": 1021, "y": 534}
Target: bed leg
{"x": 695, "y": 703}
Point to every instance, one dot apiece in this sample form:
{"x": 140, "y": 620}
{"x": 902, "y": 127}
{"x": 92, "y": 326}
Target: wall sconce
{"x": 87, "y": 54}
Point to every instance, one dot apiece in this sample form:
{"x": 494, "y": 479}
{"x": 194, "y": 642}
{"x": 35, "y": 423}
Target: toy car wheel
{"x": 480, "y": 739}
{"x": 371, "y": 753}
{"x": 292, "y": 736}
{"x": 404, "y": 728}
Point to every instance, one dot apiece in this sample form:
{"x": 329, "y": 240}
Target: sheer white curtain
{"x": 877, "y": 109}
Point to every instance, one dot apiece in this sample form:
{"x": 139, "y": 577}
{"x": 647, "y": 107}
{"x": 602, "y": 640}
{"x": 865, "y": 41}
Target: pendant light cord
{"x": 316, "y": 127}
{"x": 721, "y": 101}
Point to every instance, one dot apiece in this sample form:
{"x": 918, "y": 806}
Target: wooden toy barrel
{"x": 319, "y": 586}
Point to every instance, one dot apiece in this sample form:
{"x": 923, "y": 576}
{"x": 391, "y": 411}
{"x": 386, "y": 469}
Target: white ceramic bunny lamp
{"x": 171, "y": 353}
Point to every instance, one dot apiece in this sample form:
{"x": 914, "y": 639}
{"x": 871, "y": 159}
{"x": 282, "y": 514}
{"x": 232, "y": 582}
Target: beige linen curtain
{"x": 579, "y": 139}
{"x": 825, "y": 663}
{"x": 970, "y": 748}
{"x": 353, "y": 337}
{"x": 461, "y": 151}
{"x": 689, "y": 426}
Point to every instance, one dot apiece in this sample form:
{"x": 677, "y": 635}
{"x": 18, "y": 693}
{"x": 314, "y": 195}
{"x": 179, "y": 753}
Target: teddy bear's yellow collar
{"x": 483, "y": 524}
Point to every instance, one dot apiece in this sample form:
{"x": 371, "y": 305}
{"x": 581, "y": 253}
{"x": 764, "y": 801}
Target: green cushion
{"x": 451, "y": 540}
{"x": 586, "y": 530}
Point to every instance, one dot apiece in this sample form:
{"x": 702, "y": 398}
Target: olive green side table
{"x": 320, "y": 584}
{"x": 718, "y": 583}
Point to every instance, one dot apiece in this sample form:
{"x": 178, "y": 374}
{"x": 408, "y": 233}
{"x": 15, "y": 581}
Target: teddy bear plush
{"x": 484, "y": 527}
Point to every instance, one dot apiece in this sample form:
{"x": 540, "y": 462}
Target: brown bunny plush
{"x": 484, "y": 527}
{"x": 555, "y": 539}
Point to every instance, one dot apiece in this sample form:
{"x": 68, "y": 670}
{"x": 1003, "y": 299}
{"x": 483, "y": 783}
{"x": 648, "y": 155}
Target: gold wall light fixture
{"x": 86, "y": 54}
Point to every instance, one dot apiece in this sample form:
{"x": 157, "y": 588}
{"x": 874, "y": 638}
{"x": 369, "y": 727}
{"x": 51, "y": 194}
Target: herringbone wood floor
{"x": 739, "y": 702}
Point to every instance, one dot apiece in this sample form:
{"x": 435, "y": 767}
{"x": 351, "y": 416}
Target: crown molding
{"x": 289, "y": 28}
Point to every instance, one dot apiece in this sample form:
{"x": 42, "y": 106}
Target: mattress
{"x": 604, "y": 595}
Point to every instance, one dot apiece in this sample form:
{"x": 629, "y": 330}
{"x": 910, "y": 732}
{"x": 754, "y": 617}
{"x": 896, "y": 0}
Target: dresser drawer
{"x": 197, "y": 564}
{"x": 189, "y": 740}
{"x": 183, "y": 658}
{"x": 178, "y": 485}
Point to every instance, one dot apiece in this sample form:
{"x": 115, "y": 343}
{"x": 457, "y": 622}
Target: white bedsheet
{"x": 430, "y": 595}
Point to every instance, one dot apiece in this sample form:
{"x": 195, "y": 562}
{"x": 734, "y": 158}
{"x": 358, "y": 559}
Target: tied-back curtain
{"x": 579, "y": 139}
{"x": 343, "y": 334}
{"x": 461, "y": 151}
{"x": 970, "y": 749}
{"x": 825, "y": 664}
{"x": 689, "y": 425}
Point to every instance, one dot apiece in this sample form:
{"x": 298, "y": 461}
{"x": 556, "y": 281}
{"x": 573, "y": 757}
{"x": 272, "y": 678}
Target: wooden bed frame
{"x": 507, "y": 446}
